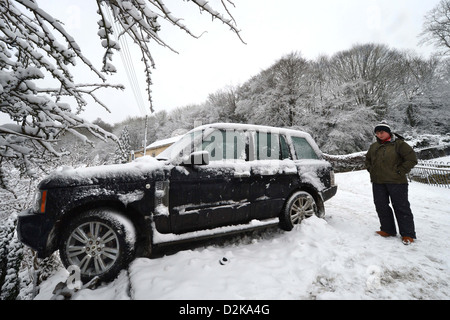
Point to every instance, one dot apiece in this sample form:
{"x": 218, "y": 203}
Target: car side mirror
{"x": 198, "y": 158}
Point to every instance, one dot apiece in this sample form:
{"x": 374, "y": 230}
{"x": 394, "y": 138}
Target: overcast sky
{"x": 271, "y": 29}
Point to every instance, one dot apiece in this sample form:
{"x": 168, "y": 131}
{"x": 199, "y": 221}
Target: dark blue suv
{"x": 216, "y": 179}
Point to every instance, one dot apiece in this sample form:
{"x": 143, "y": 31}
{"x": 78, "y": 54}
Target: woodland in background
{"x": 336, "y": 99}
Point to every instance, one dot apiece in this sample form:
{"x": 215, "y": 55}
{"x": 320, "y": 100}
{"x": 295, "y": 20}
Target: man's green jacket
{"x": 389, "y": 162}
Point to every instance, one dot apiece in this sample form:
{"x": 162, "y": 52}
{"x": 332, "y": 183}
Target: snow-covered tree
{"x": 123, "y": 151}
{"x": 422, "y": 102}
{"x": 10, "y": 259}
{"x": 436, "y": 28}
{"x": 279, "y": 95}
{"x": 222, "y": 105}
{"x": 291, "y": 94}
{"x": 34, "y": 46}
{"x": 365, "y": 76}
{"x": 339, "y": 98}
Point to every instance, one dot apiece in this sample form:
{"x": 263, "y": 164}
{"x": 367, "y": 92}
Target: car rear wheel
{"x": 99, "y": 242}
{"x": 300, "y": 205}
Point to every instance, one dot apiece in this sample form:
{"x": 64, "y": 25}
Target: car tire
{"x": 99, "y": 242}
{"x": 299, "y": 206}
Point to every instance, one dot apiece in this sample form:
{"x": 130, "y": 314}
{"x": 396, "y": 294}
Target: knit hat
{"x": 382, "y": 127}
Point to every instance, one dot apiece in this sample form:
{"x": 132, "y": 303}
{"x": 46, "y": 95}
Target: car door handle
{"x": 242, "y": 174}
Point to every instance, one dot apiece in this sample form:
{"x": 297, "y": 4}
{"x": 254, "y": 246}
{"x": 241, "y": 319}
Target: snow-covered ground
{"x": 338, "y": 257}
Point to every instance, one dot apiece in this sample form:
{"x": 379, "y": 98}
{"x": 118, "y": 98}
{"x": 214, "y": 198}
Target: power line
{"x": 128, "y": 64}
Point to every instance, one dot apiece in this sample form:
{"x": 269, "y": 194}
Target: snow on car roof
{"x": 241, "y": 126}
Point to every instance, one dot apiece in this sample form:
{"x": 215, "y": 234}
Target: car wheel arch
{"x": 113, "y": 236}
{"x": 137, "y": 219}
{"x": 320, "y": 203}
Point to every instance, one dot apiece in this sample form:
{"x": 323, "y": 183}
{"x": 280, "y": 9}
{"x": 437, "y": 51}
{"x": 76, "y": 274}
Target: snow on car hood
{"x": 137, "y": 170}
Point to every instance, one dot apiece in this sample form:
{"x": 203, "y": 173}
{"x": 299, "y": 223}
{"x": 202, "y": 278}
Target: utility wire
{"x": 128, "y": 64}
{"x": 131, "y": 75}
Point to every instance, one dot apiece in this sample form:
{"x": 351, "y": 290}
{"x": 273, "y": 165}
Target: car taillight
{"x": 43, "y": 200}
{"x": 40, "y": 201}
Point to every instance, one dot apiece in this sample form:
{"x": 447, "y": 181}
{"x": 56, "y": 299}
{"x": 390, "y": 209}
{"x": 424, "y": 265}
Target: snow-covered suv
{"x": 216, "y": 179}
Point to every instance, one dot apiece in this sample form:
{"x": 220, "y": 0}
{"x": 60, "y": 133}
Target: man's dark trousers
{"x": 398, "y": 195}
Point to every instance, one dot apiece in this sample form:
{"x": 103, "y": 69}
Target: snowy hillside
{"x": 339, "y": 257}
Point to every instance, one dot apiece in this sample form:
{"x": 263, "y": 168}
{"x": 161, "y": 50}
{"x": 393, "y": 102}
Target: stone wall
{"x": 355, "y": 161}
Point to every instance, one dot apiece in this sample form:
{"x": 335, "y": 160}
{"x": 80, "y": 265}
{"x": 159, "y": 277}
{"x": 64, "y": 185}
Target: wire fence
{"x": 432, "y": 172}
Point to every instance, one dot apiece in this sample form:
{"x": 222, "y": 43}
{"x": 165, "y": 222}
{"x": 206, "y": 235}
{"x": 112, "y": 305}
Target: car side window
{"x": 284, "y": 148}
{"x": 303, "y": 149}
{"x": 225, "y": 145}
{"x": 271, "y": 146}
{"x": 267, "y": 146}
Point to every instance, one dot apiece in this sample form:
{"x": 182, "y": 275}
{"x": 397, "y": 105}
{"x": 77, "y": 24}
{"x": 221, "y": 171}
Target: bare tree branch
{"x": 436, "y": 28}
{"x": 31, "y": 50}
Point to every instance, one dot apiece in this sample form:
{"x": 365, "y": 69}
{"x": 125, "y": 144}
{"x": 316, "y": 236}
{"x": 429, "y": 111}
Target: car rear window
{"x": 303, "y": 149}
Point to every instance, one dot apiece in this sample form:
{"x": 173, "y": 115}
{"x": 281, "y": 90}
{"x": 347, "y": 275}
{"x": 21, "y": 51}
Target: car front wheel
{"x": 99, "y": 242}
{"x": 299, "y": 206}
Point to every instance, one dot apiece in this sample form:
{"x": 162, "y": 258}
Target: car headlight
{"x": 332, "y": 179}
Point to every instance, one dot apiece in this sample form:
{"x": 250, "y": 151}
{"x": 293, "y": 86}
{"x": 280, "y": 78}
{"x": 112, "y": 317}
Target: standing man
{"x": 389, "y": 160}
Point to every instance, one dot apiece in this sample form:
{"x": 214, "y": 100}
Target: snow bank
{"x": 339, "y": 257}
